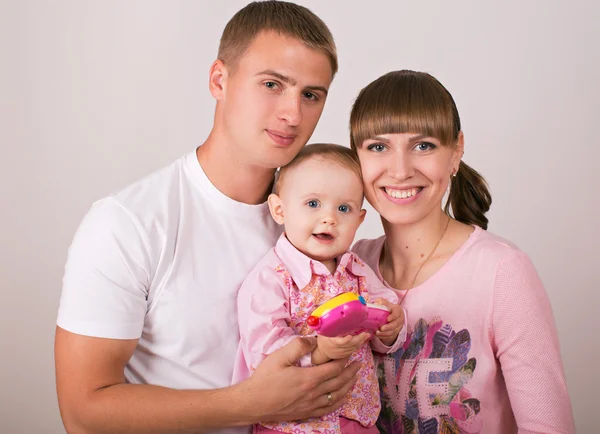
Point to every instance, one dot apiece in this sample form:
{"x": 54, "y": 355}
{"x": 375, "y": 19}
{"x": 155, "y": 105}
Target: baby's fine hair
{"x": 339, "y": 154}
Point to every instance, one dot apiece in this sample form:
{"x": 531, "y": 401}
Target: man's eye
{"x": 270, "y": 85}
{"x": 344, "y": 208}
{"x": 313, "y": 203}
{"x": 311, "y": 96}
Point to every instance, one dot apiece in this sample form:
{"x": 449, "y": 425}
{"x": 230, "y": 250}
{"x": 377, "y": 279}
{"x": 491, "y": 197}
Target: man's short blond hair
{"x": 282, "y": 17}
{"x": 339, "y": 154}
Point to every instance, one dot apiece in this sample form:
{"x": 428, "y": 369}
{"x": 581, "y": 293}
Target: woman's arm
{"x": 526, "y": 344}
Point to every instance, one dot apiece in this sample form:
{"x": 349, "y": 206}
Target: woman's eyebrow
{"x": 381, "y": 139}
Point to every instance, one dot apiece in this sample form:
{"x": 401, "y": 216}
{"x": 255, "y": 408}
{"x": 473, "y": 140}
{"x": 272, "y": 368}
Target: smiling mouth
{"x": 402, "y": 194}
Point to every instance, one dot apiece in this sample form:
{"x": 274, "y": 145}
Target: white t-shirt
{"x": 162, "y": 261}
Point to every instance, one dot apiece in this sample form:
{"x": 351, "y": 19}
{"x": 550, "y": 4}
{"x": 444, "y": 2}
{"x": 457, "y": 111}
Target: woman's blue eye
{"x": 313, "y": 203}
{"x": 377, "y": 147}
{"x": 425, "y": 146}
{"x": 343, "y": 208}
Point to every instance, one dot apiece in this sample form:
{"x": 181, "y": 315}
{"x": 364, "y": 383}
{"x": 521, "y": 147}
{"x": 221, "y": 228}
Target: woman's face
{"x": 406, "y": 174}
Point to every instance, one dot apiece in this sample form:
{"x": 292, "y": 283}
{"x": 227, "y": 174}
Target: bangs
{"x": 404, "y": 102}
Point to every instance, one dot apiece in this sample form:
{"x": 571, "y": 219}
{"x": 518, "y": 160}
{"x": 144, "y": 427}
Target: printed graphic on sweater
{"x": 424, "y": 384}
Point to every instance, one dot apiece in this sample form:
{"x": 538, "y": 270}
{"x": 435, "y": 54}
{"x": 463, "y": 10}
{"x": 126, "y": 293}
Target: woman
{"x": 482, "y": 352}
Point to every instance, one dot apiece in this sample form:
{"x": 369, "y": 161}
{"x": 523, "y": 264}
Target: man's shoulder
{"x": 141, "y": 209}
{"x": 150, "y": 192}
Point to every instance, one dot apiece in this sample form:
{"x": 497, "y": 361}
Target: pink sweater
{"x": 481, "y": 353}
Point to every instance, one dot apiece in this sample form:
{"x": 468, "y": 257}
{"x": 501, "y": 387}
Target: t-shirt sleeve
{"x": 264, "y": 318}
{"x": 106, "y": 280}
{"x": 526, "y": 344}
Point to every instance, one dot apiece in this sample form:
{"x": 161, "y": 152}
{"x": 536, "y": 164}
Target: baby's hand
{"x": 388, "y": 333}
{"x": 337, "y": 348}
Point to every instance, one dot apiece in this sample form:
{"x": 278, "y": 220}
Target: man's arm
{"x": 94, "y": 398}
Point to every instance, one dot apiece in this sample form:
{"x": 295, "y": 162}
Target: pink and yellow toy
{"x": 345, "y": 314}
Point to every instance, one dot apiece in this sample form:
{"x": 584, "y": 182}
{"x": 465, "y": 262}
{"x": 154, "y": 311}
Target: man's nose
{"x": 291, "y": 110}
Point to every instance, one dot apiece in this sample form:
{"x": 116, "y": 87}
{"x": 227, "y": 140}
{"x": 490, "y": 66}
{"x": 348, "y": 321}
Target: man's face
{"x": 271, "y": 102}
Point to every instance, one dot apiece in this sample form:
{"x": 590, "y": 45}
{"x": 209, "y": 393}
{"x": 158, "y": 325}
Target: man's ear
{"x": 217, "y": 79}
{"x": 276, "y": 208}
{"x": 363, "y": 213}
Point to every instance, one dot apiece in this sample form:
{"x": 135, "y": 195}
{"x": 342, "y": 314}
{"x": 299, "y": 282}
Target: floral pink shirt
{"x": 273, "y": 304}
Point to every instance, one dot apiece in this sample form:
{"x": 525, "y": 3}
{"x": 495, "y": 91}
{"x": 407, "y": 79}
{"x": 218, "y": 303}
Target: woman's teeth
{"x": 402, "y": 194}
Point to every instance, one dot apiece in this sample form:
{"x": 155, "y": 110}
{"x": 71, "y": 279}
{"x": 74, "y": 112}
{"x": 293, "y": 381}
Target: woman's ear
{"x": 459, "y": 151}
{"x": 276, "y": 208}
{"x": 217, "y": 79}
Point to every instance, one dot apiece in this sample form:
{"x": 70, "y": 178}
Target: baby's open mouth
{"x": 323, "y": 237}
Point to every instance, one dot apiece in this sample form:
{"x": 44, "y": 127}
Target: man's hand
{"x": 388, "y": 333}
{"x": 279, "y": 390}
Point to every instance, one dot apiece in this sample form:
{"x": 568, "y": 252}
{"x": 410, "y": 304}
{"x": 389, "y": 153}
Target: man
{"x": 147, "y": 328}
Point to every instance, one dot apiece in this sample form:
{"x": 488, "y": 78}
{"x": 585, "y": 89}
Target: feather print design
{"x": 434, "y": 340}
{"x": 429, "y": 426}
{"x": 440, "y": 340}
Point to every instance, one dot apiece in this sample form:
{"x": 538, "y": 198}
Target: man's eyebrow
{"x": 317, "y": 88}
{"x": 284, "y": 78}
{"x": 291, "y": 81}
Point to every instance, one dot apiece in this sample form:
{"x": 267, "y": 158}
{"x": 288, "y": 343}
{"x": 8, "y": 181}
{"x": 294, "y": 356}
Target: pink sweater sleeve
{"x": 263, "y": 315}
{"x": 526, "y": 344}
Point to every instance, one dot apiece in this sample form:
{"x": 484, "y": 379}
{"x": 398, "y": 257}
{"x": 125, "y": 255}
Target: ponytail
{"x": 469, "y": 197}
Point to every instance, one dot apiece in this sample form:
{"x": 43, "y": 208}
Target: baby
{"x": 318, "y": 198}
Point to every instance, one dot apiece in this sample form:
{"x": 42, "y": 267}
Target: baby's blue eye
{"x": 343, "y": 208}
{"x": 313, "y": 203}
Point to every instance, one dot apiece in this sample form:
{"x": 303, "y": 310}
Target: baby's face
{"x": 321, "y": 203}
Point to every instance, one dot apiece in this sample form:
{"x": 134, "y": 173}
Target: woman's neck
{"x": 408, "y": 247}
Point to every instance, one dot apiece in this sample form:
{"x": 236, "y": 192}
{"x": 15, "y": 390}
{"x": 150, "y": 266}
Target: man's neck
{"x": 232, "y": 177}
